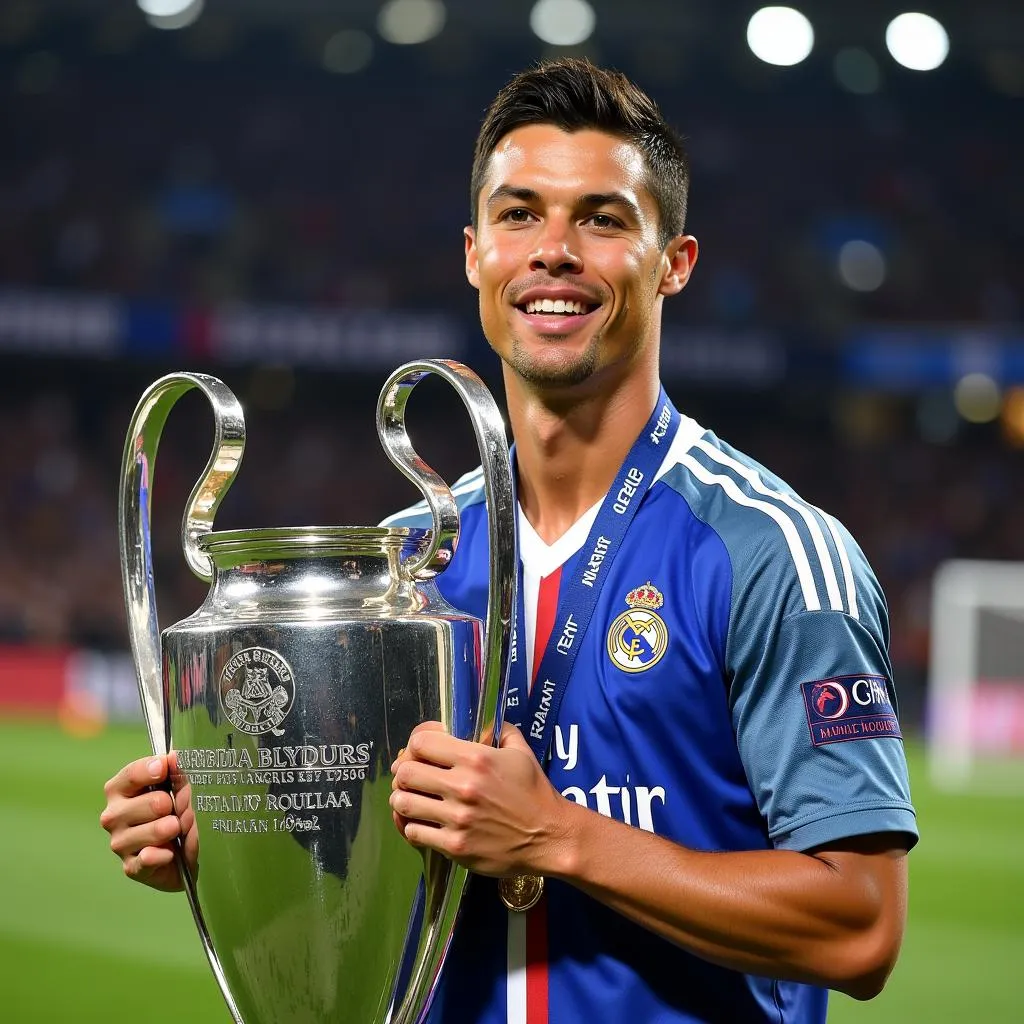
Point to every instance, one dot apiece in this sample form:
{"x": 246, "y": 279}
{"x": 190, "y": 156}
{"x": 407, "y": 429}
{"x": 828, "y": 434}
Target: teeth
{"x": 554, "y": 306}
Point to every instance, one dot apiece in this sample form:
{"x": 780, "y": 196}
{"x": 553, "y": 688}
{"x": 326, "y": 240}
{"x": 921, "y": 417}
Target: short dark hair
{"x": 573, "y": 94}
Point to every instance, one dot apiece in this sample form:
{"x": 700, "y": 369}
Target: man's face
{"x": 566, "y": 255}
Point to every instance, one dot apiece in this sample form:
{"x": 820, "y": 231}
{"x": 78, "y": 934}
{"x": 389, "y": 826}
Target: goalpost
{"x": 976, "y": 676}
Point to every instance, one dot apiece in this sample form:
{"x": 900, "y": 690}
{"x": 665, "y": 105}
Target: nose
{"x": 556, "y": 251}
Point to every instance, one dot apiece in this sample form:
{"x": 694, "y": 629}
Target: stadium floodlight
{"x": 562, "y": 22}
{"x": 917, "y": 41}
{"x": 408, "y": 22}
{"x": 171, "y": 14}
{"x": 780, "y": 35}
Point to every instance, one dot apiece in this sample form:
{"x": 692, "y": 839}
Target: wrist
{"x": 562, "y": 856}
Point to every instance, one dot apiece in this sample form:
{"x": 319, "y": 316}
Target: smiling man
{"x": 699, "y": 808}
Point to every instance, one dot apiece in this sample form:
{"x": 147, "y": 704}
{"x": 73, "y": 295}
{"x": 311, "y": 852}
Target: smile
{"x": 564, "y": 306}
{"x": 556, "y": 317}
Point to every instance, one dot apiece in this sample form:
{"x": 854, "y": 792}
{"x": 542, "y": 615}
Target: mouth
{"x": 556, "y": 316}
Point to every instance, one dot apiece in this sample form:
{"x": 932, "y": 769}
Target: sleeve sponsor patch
{"x": 849, "y": 708}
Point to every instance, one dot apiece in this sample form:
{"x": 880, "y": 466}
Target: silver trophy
{"x": 287, "y": 696}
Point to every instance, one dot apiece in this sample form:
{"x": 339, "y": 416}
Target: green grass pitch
{"x": 80, "y": 943}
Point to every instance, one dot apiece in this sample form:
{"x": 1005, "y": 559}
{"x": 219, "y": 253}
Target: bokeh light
{"x": 562, "y": 22}
{"x": 165, "y": 8}
{"x": 977, "y": 398}
{"x": 857, "y": 71}
{"x": 348, "y": 52}
{"x": 917, "y": 41}
{"x": 1013, "y": 417}
{"x": 408, "y": 22}
{"x": 780, "y": 35}
{"x": 171, "y": 14}
{"x": 861, "y": 265}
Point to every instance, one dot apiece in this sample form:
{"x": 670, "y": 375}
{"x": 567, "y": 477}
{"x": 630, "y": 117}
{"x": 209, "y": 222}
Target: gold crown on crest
{"x": 647, "y": 596}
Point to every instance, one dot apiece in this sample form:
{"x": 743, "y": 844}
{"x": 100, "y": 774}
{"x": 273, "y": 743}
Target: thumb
{"x": 512, "y": 738}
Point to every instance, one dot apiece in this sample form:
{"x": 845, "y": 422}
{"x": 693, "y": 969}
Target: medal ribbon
{"x": 580, "y": 590}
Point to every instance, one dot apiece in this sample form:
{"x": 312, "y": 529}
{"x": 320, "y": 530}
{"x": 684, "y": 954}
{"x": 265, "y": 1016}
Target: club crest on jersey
{"x": 638, "y": 637}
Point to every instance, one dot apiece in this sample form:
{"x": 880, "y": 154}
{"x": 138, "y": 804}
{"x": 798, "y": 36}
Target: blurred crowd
{"x": 206, "y": 184}
{"x": 264, "y": 180}
{"x": 315, "y": 459}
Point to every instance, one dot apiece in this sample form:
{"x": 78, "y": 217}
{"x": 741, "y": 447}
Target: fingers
{"x": 512, "y": 737}
{"x": 122, "y": 812}
{"x": 422, "y": 808}
{"x": 127, "y": 841}
{"x": 183, "y": 800}
{"x": 427, "y": 794}
{"x": 136, "y": 777}
{"x": 429, "y": 727}
{"x": 437, "y": 746}
{"x": 149, "y": 862}
{"x": 142, "y": 823}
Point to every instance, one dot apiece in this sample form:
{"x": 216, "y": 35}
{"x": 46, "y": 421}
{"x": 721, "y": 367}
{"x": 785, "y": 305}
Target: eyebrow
{"x": 525, "y": 195}
{"x": 592, "y": 199}
{"x": 589, "y": 200}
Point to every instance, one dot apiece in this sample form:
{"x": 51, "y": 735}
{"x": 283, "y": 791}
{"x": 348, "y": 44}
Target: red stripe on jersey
{"x": 537, "y": 963}
{"x": 547, "y": 605}
{"x": 537, "y": 919}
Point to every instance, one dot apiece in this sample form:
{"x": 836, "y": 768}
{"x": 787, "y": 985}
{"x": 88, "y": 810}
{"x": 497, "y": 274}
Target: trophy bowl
{"x": 286, "y": 697}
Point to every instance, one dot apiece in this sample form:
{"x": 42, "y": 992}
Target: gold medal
{"x": 521, "y": 892}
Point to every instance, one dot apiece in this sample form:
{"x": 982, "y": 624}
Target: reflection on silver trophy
{"x": 285, "y": 699}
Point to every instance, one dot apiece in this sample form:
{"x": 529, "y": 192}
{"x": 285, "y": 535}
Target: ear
{"x": 472, "y": 269}
{"x": 678, "y": 261}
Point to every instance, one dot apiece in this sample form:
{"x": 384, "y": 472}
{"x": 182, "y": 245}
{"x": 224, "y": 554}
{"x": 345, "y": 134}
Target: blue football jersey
{"x": 733, "y": 692}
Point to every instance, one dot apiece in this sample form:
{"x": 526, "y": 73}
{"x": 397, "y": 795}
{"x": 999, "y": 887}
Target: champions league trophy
{"x": 284, "y": 701}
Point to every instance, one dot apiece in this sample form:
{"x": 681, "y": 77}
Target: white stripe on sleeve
{"x": 789, "y": 531}
{"x": 754, "y": 479}
{"x": 844, "y": 561}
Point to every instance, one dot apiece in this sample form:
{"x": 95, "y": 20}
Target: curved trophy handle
{"x": 134, "y": 520}
{"x": 444, "y": 880}
{"x": 489, "y": 429}
{"x": 137, "y": 558}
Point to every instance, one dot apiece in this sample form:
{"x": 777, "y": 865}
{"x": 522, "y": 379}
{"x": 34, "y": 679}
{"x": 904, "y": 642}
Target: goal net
{"x": 976, "y": 676}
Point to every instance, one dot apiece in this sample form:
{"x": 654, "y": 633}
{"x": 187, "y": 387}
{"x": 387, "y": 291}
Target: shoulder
{"x": 468, "y": 491}
{"x": 782, "y": 549}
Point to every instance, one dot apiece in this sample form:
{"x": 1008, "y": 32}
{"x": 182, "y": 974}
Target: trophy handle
{"x": 136, "y": 546}
{"x": 489, "y": 430}
{"x": 134, "y": 520}
{"x": 444, "y": 880}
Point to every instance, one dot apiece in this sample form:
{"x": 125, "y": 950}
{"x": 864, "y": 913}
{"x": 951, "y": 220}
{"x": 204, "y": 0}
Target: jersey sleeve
{"x": 813, "y": 703}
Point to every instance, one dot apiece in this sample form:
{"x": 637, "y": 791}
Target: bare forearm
{"x": 818, "y": 919}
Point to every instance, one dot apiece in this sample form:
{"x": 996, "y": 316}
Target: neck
{"x": 571, "y": 444}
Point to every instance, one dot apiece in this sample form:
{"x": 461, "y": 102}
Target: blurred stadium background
{"x": 274, "y": 190}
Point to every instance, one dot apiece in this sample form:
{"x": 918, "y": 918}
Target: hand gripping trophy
{"x": 285, "y": 699}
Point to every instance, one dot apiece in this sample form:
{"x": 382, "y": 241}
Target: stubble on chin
{"x": 558, "y": 370}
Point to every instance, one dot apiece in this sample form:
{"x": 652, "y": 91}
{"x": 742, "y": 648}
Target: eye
{"x": 603, "y": 220}
{"x": 517, "y": 215}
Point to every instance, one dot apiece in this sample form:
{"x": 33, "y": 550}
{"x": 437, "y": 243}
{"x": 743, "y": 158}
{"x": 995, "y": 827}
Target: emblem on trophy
{"x": 285, "y": 698}
{"x": 251, "y": 703}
